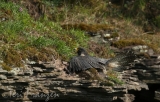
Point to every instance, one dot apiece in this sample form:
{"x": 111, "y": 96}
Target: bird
{"x": 83, "y": 61}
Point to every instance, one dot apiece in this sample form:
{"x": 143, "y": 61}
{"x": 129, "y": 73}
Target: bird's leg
{"x": 104, "y": 70}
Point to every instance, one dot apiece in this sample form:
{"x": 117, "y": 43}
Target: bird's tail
{"x": 120, "y": 61}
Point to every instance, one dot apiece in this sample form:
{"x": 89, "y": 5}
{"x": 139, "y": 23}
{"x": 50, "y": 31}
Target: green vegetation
{"x": 24, "y": 38}
{"x": 141, "y": 12}
{"x": 113, "y": 77}
{"x": 39, "y": 30}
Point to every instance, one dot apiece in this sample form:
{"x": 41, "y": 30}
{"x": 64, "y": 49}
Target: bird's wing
{"x": 79, "y": 63}
{"x": 102, "y": 61}
{"x": 123, "y": 59}
{"x": 94, "y": 62}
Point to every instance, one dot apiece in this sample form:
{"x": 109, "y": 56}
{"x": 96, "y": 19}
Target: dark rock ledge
{"x": 49, "y": 82}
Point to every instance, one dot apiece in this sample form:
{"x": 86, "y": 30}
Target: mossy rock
{"x": 14, "y": 58}
{"x": 133, "y": 42}
{"x": 128, "y": 42}
{"x": 43, "y": 54}
{"x": 88, "y": 27}
{"x": 6, "y": 67}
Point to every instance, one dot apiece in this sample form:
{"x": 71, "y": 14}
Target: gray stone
{"x": 3, "y": 71}
{"x": 14, "y": 71}
{"x": 2, "y": 77}
{"x": 37, "y": 69}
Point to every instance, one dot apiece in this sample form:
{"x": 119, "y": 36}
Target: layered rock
{"x": 43, "y": 82}
{"x": 49, "y": 81}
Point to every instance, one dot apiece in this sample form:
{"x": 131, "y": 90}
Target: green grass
{"x": 20, "y": 32}
{"x": 15, "y": 22}
{"x": 113, "y": 77}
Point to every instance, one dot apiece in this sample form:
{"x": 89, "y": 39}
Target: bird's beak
{"x": 76, "y": 49}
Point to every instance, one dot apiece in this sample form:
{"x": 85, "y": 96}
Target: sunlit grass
{"x": 21, "y": 33}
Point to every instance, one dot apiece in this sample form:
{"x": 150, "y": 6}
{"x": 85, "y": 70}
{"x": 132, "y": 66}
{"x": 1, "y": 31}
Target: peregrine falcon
{"x": 84, "y": 61}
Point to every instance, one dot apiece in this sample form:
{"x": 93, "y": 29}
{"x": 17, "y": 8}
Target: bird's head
{"x": 81, "y": 52}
